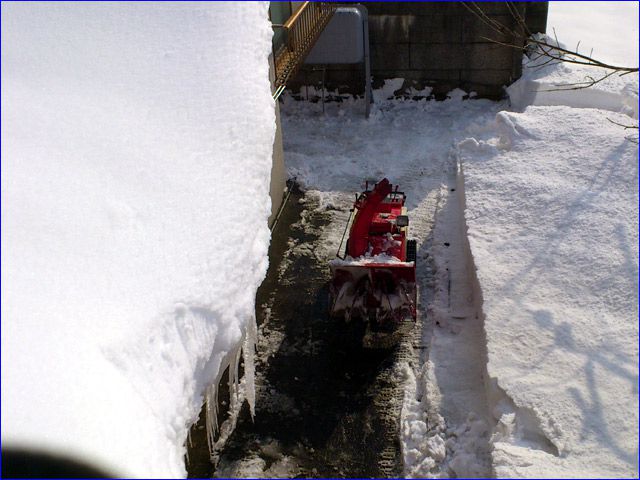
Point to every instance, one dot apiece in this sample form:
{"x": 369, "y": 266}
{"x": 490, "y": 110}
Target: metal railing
{"x": 301, "y": 31}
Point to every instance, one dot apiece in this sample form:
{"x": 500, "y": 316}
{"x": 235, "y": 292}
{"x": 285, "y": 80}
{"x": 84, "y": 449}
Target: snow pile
{"x": 552, "y": 213}
{"x": 366, "y": 259}
{"x": 434, "y": 447}
{"x": 388, "y": 89}
{"x": 136, "y": 154}
{"x": 552, "y": 82}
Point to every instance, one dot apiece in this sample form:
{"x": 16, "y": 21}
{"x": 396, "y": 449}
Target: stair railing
{"x": 301, "y": 31}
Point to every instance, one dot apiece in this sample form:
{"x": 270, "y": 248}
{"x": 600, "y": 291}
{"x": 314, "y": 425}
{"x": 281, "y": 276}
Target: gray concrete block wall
{"x": 436, "y": 44}
{"x": 536, "y": 16}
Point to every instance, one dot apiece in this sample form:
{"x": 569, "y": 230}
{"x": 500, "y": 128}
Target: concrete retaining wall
{"x": 437, "y": 44}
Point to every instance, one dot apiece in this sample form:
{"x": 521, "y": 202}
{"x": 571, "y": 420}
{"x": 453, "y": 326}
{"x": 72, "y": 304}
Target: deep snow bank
{"x": 552, "y": 215}
{"x": 136, "y": 153}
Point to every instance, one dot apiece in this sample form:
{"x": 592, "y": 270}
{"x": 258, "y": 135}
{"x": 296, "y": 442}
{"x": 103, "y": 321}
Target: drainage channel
{"x": 325, "y": 406}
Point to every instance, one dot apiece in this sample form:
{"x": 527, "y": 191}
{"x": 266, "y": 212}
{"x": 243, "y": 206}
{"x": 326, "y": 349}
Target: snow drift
{"x": 136, "y": 154}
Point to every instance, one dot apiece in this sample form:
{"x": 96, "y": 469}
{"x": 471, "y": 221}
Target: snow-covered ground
{"x": 136, "y": 154}
{"x": 528, "y": 212}
{"x": 552, "y": 215}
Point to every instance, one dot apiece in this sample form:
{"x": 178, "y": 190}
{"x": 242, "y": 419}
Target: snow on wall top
{"x": 136, "y": 154}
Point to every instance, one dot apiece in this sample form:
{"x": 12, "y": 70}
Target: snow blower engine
{"x": 375, "y": 280}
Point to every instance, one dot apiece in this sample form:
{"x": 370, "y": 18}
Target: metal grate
{"x": 301, "y": 31}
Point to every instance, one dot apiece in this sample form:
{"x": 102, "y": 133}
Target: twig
{"x": 626, "y": 127}
{"x": 574, "y": 56}
{"x": 519, "y": 37}
{"x": 579, "y": 85}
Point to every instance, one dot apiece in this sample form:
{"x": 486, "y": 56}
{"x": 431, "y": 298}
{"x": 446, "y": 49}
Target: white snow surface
{"x": 605, "y": 31}
{"x": 546, "y": 82}
{"x": 608, "y": 30}
{"x": 136, "y": 155}
{"x": 365, "y": 259}
{"x": 551, "y": 206}
{"x": 552, "y": 216}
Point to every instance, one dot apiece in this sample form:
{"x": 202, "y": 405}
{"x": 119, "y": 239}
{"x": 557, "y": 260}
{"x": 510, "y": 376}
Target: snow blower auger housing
{"x": 375, "y": 281}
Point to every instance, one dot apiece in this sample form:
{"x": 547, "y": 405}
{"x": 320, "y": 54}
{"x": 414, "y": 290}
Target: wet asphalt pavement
{"x": 325, "y": 406}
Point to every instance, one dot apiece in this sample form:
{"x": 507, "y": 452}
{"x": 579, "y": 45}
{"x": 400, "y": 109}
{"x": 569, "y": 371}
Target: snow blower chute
{"x": 375, "y": 281}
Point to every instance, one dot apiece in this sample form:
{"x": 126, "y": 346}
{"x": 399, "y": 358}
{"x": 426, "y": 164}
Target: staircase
{"x": 301, "y": 31}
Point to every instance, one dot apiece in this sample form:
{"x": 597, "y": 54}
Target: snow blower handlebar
{"x": 367, "y": 206}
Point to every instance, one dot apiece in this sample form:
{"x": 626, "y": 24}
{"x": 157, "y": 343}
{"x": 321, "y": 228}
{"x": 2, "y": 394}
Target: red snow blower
{"x": 375, "y": 280}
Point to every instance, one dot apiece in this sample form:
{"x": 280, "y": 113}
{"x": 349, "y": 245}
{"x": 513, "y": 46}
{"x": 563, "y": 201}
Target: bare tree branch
{"x": 626, "y": 127}
{"x": 523, "y": 38}
{"x": 543, "y": 53}
{"x": 580, "y": 85}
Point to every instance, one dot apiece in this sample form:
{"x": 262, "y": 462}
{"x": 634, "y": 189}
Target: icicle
{"x": 211, "y": 420}
{"x": 236, "y": 362}
{"x": 215, "y": 391}
{"x": 249, "y": 350}
{"x": 234, "y": 379}
{"x": 238, "y": 391}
